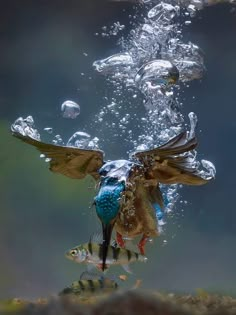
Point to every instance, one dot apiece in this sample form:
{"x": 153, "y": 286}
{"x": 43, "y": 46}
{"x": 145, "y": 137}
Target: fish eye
{"x": 73, "y": 252}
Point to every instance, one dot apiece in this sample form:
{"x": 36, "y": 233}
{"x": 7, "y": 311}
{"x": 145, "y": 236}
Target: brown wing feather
{"x": 71, "y": 162}
{"x": 170, "y": 163}
{"x": 176, "y": 145}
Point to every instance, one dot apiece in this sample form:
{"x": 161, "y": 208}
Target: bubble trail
{"x": 154, "y": 63}
{"x": 147, "y": 74}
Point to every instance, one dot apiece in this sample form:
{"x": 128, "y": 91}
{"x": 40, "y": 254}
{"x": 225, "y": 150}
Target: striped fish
{"x": 91, "y": 253}
{"x": 90, "y": 284}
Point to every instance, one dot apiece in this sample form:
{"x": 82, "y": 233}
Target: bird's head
{"x": 107, "y": 203}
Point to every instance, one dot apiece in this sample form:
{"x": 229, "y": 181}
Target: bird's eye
{"x": 103, "y": 172}
{"x": 74, "y": 252}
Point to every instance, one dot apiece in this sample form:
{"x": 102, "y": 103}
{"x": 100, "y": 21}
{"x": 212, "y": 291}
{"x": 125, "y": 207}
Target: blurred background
{"x": 46, "y": 56}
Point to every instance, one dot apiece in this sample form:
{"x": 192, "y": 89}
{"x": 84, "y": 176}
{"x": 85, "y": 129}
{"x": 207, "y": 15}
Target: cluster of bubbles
{"x": 79, "y": 139}
{"x": 25, "y": 126}
{"x": 153, "y": 63}
{"x": 191, "y": 5}
{"x": 82, "y": 140}
{"x": 113, "y": 30}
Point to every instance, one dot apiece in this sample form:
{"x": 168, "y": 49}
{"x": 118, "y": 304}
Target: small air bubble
{"x": 48, "y": 130}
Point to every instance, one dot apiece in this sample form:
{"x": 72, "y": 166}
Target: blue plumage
{"x": 158, "y": 209}
{"x": 108, "y": 199}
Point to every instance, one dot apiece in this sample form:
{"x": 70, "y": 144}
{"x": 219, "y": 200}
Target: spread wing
{"x": 69, "y": 161}
{"x": 171, "y": 163}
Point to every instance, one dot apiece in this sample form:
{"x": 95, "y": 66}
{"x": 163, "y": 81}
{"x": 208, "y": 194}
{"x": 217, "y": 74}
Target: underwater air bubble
{"x": 192, "y": 10}
{"x": 156, "y": 73}
{"x": 189, "y": 70}
{"x": 26, "y": 127}
{"x": 177, "y": 50}
{"x": 163, "y": 12}
{"x": 210, "y": 167}
{"x": 79, "y": 140}
{"x": 57, "y": 140}
{"x": 142, "y": 147}
{"x": 187, "y": 22}
{"x": 70, "y": 109}
{"x": 153, "y": 60}
{"x": 199, "y": 4}
{"x": 193, "y": 124}
{"x": 93, "y": 144}
{"x": 188, "y": 58}
{"x": 116, "y": 28}
{"x": 114, "y": 63}
{"x": 48, "y": 130}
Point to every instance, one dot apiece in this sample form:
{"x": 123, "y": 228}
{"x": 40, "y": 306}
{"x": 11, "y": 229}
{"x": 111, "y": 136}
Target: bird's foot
{"x": 120, "y": 241}
{"x": 142, "y": 244}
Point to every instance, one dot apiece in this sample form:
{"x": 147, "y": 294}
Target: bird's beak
{"x": 106, "y": 231}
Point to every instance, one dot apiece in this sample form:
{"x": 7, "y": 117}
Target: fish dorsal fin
{"x": 96, "y": 238}
{"x": 89, "y": 275}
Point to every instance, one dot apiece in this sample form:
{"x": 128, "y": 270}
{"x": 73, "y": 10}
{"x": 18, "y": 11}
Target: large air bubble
{"x": 156, "y": 73}
{"x": 70, "y": 109}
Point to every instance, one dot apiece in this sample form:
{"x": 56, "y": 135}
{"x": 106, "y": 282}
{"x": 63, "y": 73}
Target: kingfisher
{"x": 129, "y": 198}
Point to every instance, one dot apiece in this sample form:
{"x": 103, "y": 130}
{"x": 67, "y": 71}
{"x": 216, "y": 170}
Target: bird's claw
{"x": 142, "y": 244}
{"x": 120, "y": 241}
